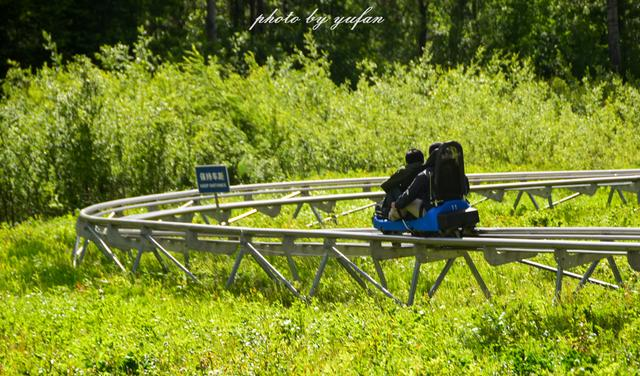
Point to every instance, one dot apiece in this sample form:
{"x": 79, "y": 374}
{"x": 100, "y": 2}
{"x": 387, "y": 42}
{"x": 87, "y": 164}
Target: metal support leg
{"x": 316, "y": 280}
{"x": 615, "y": 270}
{"x": 477, "y": 275}
{"x": 611, "y": 192}
{"x": 383, "y": 280}
{"x": 533, "y": 200}
{"x": 165, "y": 268}
{"x": 346, "y": 266}
{"x": 187, "y": 258}
{"x": 293, "y": 267}
{"x": 269, "y": 269}
{"x": 550, "y": 201}
{"x": 297, "y": 211}
{"x": 234, "y": 270}
{"x": 300, "y": 205}
{"x": 75, "y": 250}
{"x": 621, "y": 195}
{"x": 318, "y": 216}
{"x": 559, "y": 274}
{"x": 414, "y": 282}
{"x": 354, "y": 270}
{"x": 137, "y": 260}
{"x": 82, "y": 250}
{"x": 105, "y": 248}
{"x": 515, "y": 204}
{"x": 567, "y": 273}
{"x": 586, "y": 275}
{"x": 170, "y": 257}
{"x": 440, "y": 278}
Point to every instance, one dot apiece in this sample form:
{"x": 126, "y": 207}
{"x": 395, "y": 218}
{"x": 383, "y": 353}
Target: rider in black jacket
{"x": 416, "y": 199}
{"x": 400, "y": 181}
{"x": 402, "y": 178}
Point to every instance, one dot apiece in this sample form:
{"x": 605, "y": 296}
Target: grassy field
{"x": 55, "y": 319}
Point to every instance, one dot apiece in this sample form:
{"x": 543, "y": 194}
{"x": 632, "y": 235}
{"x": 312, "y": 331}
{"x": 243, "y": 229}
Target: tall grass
{"x": 80, "y": 133}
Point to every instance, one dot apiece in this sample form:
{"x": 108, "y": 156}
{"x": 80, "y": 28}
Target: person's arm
{"x": 419, "y": 184}
{"x": 393, "y": 181}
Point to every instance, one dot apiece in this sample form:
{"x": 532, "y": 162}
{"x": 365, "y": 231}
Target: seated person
{"x": 400, "y": 180}
{"x": 416, "y": 199}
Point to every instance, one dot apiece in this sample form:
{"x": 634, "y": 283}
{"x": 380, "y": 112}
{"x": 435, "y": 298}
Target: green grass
{"x": 56, "y": 319}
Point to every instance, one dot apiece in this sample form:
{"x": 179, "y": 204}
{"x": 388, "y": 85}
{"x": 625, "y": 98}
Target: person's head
{"x": 414, "y": 155}
{"x": 433, "y": 147}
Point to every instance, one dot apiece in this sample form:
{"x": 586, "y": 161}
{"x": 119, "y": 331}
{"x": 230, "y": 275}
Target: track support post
{"x": 358, "y": 275}
{"x": 158, "y": 247}
{"x": 102, "y": 245}
{"x": 476, "y": 275}
{"x": 267, "y": 267}
{"x": 234, "y": 269}
{"x": 414, "y": 281}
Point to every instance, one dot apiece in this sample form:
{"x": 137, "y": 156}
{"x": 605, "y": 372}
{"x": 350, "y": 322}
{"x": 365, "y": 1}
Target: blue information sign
{"x": 212, "y": 179}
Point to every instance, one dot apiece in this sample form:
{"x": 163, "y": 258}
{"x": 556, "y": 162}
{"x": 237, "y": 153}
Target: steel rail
{"x": 366, "y": 183}
{"x": 152, "y": 231}
{"x": 564, "y": 183}
{"x": 462, "y": 243}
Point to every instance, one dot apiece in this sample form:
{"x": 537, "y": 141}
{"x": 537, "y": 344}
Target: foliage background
{"x": 561, "y": 37}
{"x": 82, "y": 132}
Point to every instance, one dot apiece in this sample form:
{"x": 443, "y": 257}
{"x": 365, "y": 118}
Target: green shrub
{"x": 76, "y": 134}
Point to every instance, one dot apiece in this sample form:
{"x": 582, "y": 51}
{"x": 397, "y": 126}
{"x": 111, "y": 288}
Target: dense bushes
{"x": 75, "y": 134}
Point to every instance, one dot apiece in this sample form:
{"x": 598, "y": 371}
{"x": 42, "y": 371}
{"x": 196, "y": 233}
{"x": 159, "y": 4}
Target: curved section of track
{"x": 185, "y": 222}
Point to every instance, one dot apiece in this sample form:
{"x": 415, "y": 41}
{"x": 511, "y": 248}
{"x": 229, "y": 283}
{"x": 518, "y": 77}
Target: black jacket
{"x": 419, "y": 188}
{"x": 401, "y": 179}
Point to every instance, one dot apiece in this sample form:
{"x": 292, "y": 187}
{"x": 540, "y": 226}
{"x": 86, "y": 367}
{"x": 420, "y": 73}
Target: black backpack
{"x": 449, "y": 181}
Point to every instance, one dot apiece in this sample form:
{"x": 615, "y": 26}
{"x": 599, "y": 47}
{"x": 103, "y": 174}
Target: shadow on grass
{"x": 44, "y": 265}
{"x": 37, "y": 264}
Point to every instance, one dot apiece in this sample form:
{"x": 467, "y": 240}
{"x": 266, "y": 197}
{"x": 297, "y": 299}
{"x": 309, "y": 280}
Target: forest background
{"x": 561, "y": 37}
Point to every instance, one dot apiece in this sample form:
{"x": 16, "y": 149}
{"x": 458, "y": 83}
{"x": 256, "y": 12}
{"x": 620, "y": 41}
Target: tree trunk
{"x": 211, "y": 21}
{"x": 456, "y": 30}
{"x": 260, "y": 5}
{"x": 252, "y": 11}
{"x": 613, "y": 27}
{"x": 236, "y": 14}
{"x": 259, "y": 9}
{"x": 422, "y": 26}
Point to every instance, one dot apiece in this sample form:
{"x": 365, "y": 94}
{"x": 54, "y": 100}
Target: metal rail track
{"x": 169, "y": 223}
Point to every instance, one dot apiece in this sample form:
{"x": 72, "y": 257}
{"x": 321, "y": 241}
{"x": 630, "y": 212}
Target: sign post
{"x": 213, "y": 179}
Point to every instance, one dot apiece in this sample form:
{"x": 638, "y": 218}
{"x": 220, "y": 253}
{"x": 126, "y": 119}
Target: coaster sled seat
{"x": 452, "y": 215}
